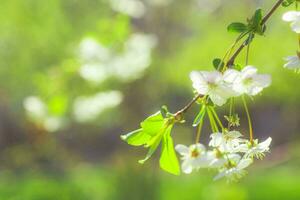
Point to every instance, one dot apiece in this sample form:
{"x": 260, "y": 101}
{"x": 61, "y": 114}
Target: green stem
{"x": 231, "y": 110}
{"x": 212, "y": 121}
{"x": 217, "y": 117}
{"x": 248, "y": 50}
{"x": 249, "y": 119}
{"x": 199, "y": 129}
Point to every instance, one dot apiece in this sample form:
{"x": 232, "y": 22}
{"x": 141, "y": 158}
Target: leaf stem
{"x": 217, "y": 117}
{"x": 199, "y": 129}
{"x": 212, "y": 121}
{"x": 249, "y": 119}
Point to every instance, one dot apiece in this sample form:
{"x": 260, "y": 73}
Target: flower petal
{"x": 220, "y": 175}
{"x": 293, "y": 62}
{"x": 182, "y": 149}
{"x": 290, "y": 16}
{"x": 231, "y": 75}
{"x": 244, "y": 163}
{"x": 265, "y": 144}
{"x": 248, "y": 71}
{"x": 296, "y": 26}
{"x": 187, "y": 167}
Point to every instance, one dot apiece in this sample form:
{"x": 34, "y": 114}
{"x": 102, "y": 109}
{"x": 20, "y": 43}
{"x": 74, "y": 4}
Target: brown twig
{"x": 183, "y": 110}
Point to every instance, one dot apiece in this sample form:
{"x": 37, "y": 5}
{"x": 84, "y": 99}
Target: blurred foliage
{"x": 120, "y": 63}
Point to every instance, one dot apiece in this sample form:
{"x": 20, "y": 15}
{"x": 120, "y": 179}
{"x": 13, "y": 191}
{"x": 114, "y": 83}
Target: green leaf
{"x": 200, "y": 116}
{"x": 136, "y": 138}
{"x": 218, "y": 64}
{"x": 287, "y": 3}
{"x": 164, "y": 111}
{"x": 237, "y": 27}
{"x": 238, "y": 67}
{"x": 154, "y": 144}
{"x": 168, "y": 159}
{"x": 153, "y": 124}
{"x": 153, "y": 130}
{"x": 257, "y": 18}
{"x": 255, "y": 23}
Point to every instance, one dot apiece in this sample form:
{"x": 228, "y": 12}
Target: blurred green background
{"x": 75, "y": 75}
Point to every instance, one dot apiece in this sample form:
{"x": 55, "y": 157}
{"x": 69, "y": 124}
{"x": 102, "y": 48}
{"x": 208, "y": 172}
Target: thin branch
{"x": 244, "y": 44}
{"x": 183, "y": 110}
{"x": 232, "y": 59}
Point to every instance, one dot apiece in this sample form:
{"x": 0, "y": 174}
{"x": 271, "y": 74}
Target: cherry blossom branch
{"x": 185, "y": 108}
{"x": 245, "y": 43}
{"x": 230, "y": 62}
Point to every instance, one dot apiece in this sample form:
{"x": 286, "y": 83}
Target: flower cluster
{"x": 230, "y": 154}
{"x": 293, "y": 62}
{"x": 219, "y": 87}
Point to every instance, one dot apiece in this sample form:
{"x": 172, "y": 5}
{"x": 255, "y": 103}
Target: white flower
{"x": 294, "y": 18}
{"x": 247, "y": 81}
{"x": 256, "y": 149}
{"x": 226, "y": 142}
{"x": 212, "y": 84}
{"x": 235, "y": 170}
{"x": 194, "y": 157}
{"x": 219, "y": 159}
{"x": 293, "y": 62}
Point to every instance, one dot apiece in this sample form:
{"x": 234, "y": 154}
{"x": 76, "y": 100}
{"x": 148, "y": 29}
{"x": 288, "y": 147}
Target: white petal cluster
{"x": 292, "y": 62}
{"x": 247, "y": 81}
{"x": 294, "y": 18}
{"x": 213, "y": 85}
{"x": 219, "y": 87}
{"x": 229, "y": 154}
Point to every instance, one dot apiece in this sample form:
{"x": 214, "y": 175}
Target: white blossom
{"x": 247, "y": 81}
{"x": 294, "y": 18}
{"x": 256, "y": 149}
{"x": 235, "y": 170}
{"x": 219, "y": 159}
{"x": 227, "y": 141}
{"x": 293, "y": 62}
{"x": 213, "y": 85}
{"x": 194, "y": 157}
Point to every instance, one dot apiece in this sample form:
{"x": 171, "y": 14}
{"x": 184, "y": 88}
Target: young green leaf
{"x": 237, "y": 27}
{"x": 153, "y": 144}
{"x": 200, "y": 116}
{"x": 257, "y": 18}
{"x": 287, "y": 3}
{"x": 255, "y": 23}
{"x": 136, "y": 138}
{"x": 218, "y": 64}
{"x": 164, "y": 111}
{"x": 168, "y": 159}
{"x": 153, "y": 124}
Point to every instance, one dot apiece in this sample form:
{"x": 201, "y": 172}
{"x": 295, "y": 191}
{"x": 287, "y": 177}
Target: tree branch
{"x": 244, "y": 44}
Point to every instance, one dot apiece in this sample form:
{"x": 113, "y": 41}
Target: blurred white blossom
{"x": 99, "y": 63}
{"x": 133, "y": 8}
{"x": 293, "y": 62}
{"x": 294, "y": 18}
{"x": 91, "y": 50}
{"x": 37, "y": 111}
{"x": 88, "y": 108}
{"x": 35, "y": 107}
{"x": 160, "y": 2}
